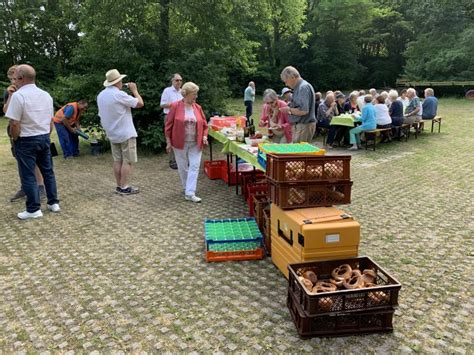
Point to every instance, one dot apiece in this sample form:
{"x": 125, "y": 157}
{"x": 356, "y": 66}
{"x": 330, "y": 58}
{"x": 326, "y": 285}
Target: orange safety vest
{"x": 59, "y": 116}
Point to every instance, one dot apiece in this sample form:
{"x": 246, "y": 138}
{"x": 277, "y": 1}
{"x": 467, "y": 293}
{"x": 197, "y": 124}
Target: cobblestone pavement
{"x": 127, "y": 273}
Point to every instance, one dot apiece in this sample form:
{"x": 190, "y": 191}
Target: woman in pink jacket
{"x": 186, "y": 134}
{"x": 279, "y": 129}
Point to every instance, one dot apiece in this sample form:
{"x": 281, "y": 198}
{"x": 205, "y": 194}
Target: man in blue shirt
{"x": 249, "y": 98}
{"x": 430, "y": 105}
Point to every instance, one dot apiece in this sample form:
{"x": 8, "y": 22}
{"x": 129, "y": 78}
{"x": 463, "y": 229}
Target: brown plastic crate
{"x": 340, "y": 324}
{"x": 259, "y": 203}
{"x": 384, "y": 296}
{"x": 267, "y": 242}
{"x": 310, "y": 194}
{"x": 300, "y": 168}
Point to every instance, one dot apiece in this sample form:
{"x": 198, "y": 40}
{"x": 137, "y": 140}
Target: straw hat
{"x": 113, "y": 77}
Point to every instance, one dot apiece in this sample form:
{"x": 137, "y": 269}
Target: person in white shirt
{"x": 383, "y": 118}
{"x": 30, "y": 111}
{"x": 360, "y": 100}
{"x": 171, "y": 94}
{"x": 116, "y": 118}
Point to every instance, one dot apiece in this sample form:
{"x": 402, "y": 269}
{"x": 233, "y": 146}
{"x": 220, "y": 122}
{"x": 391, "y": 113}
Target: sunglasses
{"x": 178, "y": 79}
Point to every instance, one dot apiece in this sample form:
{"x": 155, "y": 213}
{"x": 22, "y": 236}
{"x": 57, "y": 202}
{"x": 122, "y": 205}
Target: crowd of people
{"x": 303, "y": 114}
{"x": 296, "y": 115}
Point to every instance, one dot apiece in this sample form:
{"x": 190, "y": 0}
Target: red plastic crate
{"x": 213, "y": 168}
{"x": 305, "y": 194}
{"x": 233, "y": 175}
{"x": 308, "y": 168}
{"x": 250, "y": 177}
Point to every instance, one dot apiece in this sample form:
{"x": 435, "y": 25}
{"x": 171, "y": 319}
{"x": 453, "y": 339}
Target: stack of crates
{"x": 232, "y": 239}
{"x": 304, "y": 224}
{"x": 342, "y": 312}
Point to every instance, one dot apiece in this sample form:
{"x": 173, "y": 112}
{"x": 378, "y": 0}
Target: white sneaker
{"x": 27, "y": 215}
{"x": 193, "y": 198}
{"x": 54, "y": 207}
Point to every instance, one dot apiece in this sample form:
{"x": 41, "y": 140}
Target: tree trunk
{"x": 164, "y": 31}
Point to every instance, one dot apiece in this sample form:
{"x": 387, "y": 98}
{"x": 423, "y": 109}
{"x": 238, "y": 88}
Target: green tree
{"x": 443, "y": 48}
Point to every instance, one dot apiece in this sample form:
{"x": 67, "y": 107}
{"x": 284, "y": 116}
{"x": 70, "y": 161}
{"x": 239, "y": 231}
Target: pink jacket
{"x": 174, "y": 127}
{"x": 282, "y": 119}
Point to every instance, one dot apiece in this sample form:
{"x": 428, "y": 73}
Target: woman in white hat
{"x": 186, "y": 134}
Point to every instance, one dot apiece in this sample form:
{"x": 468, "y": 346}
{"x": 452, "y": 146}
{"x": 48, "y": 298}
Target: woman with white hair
{"x": 276, "y": 121}
{"x": 383, "y": 118}
{"x": 396, "y": 109}
{"x": 186, "y": 134}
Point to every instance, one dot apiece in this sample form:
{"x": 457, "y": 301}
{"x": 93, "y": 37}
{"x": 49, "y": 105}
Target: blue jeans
{"x": 332, "y": 130}
{"x": 69, "y": 141}
{"x": 31, "y": 151}
{"x": 248, "y": 109}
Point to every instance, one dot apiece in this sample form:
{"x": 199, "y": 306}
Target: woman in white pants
{"x": 186, "y": 134}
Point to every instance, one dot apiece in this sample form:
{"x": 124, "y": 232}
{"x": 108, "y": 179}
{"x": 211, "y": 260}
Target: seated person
{"x": 326, "y": 111}
{"x": 279, "y": 129}
{"x": 368, "y": 120}
{"x": 317, "y": 99}
{"x": 351, "y": 105}
{"x": 286, "y": 94}
{"x": 340, "y": 100}
{"x": 382, "y": 117}
{"x": 396, "y": 109}
{"x": 360, "y": 100}
{"x": 413, "y": 110}
{"x": 404, "y": 99}
{"x": 430, "y": 105}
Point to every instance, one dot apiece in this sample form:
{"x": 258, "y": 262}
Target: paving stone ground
{"x": 126, "y": 273}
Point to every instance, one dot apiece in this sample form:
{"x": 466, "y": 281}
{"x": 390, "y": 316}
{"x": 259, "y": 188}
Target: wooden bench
{"x": 437, "y": 120}
{"x": 419, "y": 127}
{"x": 405, "y": 129}
{"x": 371, "y": 136}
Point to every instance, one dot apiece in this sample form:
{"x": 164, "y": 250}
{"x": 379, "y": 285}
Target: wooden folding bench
{"x": 419, "y": 127}
{"x": 437, "y": 120}
{"x": 371, "y": 136}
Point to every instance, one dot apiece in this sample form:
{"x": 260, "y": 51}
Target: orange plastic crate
{"x": 241, "y": 255}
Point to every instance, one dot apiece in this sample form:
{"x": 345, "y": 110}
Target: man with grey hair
{"x": 430, "y": 105}
{"x": 171, "y": 94}
{"x": 301, "y": 109}
{"x": 30, "y": 111}
{"x": 413, "y": 110}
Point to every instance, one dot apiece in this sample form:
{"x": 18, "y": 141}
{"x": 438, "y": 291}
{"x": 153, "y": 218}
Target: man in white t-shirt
{"x": 116, "y": 117}
{"x": 171, "y": 94}
{"x": 30, "y": 111}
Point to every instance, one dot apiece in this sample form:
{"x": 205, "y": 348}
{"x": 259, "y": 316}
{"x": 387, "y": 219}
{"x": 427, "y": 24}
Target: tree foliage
{"x": 221, "y": 45}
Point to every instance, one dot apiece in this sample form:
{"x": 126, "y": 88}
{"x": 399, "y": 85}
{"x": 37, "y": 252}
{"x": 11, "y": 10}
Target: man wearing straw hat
{"x": 116, "y": 117}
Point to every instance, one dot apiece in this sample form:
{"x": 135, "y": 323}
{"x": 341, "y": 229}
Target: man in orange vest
{"x": 67, "y": 122}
